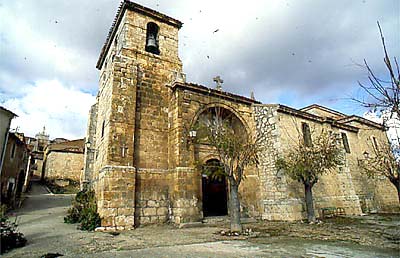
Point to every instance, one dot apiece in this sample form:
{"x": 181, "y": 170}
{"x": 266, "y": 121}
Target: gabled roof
{"x": 361, "y": 120}
{"x": 316, "y": 118}
{"x": 213, "y": 92}
{"x": 325, "y": 109}
{"x": 128, "y": 5}
{"x": 338, "y": 119}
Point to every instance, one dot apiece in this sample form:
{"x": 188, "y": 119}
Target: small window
{"x": 152, "y": 38}
{"x": 102, "y": 129}
{"x": 306, "y": 134}
{"x": 375, "y": 143}
{"x": 13, "y": 151}
{"x": 345, "y": 143}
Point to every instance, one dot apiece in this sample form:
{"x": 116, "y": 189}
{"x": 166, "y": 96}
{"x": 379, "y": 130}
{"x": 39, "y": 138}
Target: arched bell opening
{"x": 214, "y": 189}
{"x": 152, "y": 38}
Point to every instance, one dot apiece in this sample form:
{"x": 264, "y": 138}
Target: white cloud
{"x": 62, "y": 109}
{"x": 392, "y": 122}
{"x": 291, "y": 52}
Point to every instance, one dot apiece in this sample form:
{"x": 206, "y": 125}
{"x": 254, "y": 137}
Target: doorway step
{"x": 216, "y": 220}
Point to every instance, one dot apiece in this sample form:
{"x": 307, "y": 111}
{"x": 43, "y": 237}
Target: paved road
{"x": 41, "y": 220}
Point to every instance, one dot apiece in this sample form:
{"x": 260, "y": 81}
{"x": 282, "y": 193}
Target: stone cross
{"x": 218, "y": 80}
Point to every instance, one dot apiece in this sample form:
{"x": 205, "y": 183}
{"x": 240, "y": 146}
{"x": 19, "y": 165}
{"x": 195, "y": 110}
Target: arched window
{"x": 306, "y": 134}
{"x": 152, "y": 38}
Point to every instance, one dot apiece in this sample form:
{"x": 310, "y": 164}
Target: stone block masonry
{"x": 115, "y": 193}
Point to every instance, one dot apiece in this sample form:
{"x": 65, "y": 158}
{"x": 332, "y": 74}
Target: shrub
{"x": 84, "y": 211}
{"x": 10, "y": 237}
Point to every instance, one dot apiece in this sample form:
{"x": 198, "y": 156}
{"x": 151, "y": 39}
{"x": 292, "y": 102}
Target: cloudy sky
{"x": 291, "y": 52}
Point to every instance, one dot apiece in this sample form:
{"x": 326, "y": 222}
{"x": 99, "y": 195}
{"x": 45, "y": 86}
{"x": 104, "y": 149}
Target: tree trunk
{"x": 309, "y": 202}
{"x": 234, "y": 204}
{"x": 396, "y": 183}
{"x": 398, "y": 188}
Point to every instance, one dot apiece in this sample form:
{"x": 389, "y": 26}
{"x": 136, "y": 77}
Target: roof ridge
{"x": 362, "y": 120}
{"x": 324, "y": 108}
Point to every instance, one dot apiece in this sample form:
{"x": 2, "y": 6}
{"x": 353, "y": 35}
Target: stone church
{"x": 142, "y": 161}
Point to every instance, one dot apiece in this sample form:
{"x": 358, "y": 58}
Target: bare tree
{"x": 384, "y": 161}
{"x": 383, "y": 95}
{"x": 236, "y": 151}
{"x": 383, "y": 98}
{"x": 308, "y": 159}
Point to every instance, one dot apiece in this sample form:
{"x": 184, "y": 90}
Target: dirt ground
{"x": 41, "y": 221}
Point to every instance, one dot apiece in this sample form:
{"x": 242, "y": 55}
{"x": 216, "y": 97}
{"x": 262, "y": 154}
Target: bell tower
{"x": 130, "y": 127}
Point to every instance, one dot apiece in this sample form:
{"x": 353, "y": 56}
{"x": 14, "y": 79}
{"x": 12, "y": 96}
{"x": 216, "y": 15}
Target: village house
{"x": 63, "y": 160}
{"x": 5, "y": 121}
{"x": 14, "y": 173}
{"x": 142, "y": 161}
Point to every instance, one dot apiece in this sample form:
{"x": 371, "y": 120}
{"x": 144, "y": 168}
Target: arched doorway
{"x": 215, "y": 189}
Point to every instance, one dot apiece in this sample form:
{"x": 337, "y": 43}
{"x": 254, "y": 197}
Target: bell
{"x": 151, "y": 45}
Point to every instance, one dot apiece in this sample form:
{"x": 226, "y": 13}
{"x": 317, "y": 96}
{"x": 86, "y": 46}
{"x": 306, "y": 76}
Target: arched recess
{"x": 210, "y": 106}
{"x": 214, "y": 190}
{"x": 229, "y": 116}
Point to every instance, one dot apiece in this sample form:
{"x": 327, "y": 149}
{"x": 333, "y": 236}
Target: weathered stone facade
{"x": 347, "y": 188}
{"x": 64, "y": 160}
{"x": 140, "y": 158}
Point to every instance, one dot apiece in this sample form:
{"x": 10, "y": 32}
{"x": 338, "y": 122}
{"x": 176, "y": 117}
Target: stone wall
{"x": 153, "y": 197}
{"x": 90, "y": 150}
{"x": 115, "y": 193}
{"x": 347, "y": 187}
{"x": 334, "y": 189}
{"x": 277, "y": 203}
{"x": 283, "y": 197}
{"x": 63, "y": 165}
{"x": 186, "y": 195}
{"x": 375, "y": 194}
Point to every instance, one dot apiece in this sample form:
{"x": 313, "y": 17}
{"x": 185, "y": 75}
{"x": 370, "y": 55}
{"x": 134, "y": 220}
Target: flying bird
{"x": 215, "y": 31}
